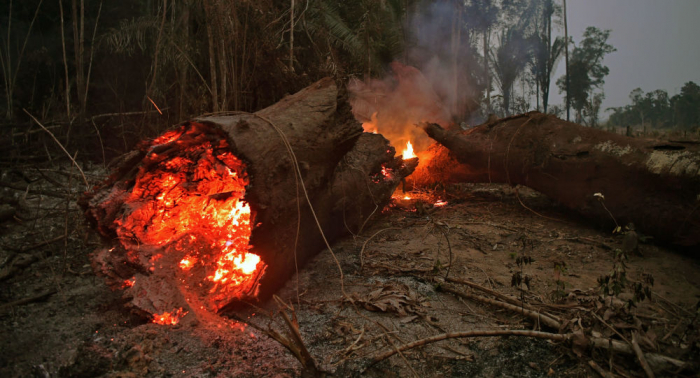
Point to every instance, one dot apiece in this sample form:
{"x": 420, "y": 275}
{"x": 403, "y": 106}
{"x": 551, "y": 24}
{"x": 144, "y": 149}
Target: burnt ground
{"x": 58, "y": 319}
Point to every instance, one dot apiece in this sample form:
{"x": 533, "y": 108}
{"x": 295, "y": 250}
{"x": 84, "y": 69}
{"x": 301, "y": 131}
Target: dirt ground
{"x": 58, "y": 319}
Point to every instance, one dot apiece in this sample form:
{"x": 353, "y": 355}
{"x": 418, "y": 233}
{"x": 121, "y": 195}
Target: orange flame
{"x": 408, "y": 152}
{"x": 169, "y": 318}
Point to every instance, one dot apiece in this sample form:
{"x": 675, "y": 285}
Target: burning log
{"x": 653, "y": 184}
{"x": 218, "y": 210}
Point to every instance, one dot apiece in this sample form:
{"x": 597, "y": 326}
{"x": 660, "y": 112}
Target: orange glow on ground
{"x": 169, "y": 318}
{"x": 408, "y": 151}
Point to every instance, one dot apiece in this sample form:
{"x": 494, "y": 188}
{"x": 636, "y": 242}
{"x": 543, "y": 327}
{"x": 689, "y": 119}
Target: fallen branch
{"x": 25, "y": 188}
{"x": 43, "y": 243}
{"x": 657, "y": 362}
{"x": 534, "y": 315}
{"x": 491, "y": 292}
{"x": 640, "y": 356}
{"x": 24, "y": 301}
{"x": 60, "y": 145}
{"x": 364, "y": 245}
{"x": 299, "y": 350}
{"x": 452, "y": 335}
{"x": 599, "y": 370}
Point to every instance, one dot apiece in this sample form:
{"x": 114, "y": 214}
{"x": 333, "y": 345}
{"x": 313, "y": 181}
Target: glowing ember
{"x": 187, "y": 262}
{"x": 190, "y": 206}
{"x": 129, "y": 283}
{"x": 406, "y": 197}
{"x": 440, "y": 203}
{"x": 169, "y": 318}
{"x": 408, "y": 152}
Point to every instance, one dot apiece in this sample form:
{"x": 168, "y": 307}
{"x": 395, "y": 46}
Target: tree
{"x": 509, "y": 62}
{"x": 586, "y": 70}
{"x": 592, "y": 109}
{"x": 638, "y": 106}
{"x": 485, "y": 17}
{"x": 546, "y": 53}
{"x": 686, "y": 106}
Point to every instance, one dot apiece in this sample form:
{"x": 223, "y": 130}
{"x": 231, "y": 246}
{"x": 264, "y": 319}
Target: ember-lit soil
{"x": 82, "y": 329}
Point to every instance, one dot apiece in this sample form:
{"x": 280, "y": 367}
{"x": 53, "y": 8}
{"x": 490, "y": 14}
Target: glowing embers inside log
{"x": 169, "y": 318}
{"x": 186, "y": 215}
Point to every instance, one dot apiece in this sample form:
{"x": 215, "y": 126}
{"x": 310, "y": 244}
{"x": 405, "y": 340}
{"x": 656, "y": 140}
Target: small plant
{"x": 642, "y": 290}
{"x": 616, "y": 280}
{"x": 560, "y": 268}
{"x": 519, "y": 278}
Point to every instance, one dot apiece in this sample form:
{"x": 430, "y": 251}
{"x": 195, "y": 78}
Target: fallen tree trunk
{"x": 653, "y": 184}
{"x": 188, "y": 215}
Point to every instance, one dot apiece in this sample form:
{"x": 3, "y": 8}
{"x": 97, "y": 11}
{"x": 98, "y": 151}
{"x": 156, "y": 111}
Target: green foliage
{"x": 658, "y": 110}
{"x": 509, "y": 61}
{"x": 686, "y": 106}
{"x": 586, "y": 69}
{"x": 616, "y": 281}
{"x": 560, "y": 269}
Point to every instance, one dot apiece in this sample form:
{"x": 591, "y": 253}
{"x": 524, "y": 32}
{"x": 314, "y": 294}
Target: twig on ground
{"x": 537, "y": 316}
{"x": 24, "y": 301}
{"x": 43, "y": 243}
{"x": 640, "y": 356}
{"x": 488, "y": 278}
{"x": 657, "y": 362}
{"x": 25, "y": 188}
{"x": 60, "y": 145}
{"x": 364, "y": 245}
{"x": 673, "y": 304}
{"x": 452, "y": 335}
{"x": 488, "y": 291}
{"x": 599, "y": 369}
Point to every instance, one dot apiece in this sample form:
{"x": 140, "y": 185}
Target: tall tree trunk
{"x": 92, "y": 52}
{"x": 225, "y": 41}
{"x": 566, "y": 49}
{"x": 79, "y": 44}
{"x": 291, "y": 37}
{"x": 8, "y": 69}
{"x": 157, "y": 49}
{"x": 65, "y": 59}
{"x": 550, "y": 65}
{"x": 456, "y": 42}
{"x": 486, "y": 70}
{"x": 184, "y": 28}
{"x": 212, "y": 56}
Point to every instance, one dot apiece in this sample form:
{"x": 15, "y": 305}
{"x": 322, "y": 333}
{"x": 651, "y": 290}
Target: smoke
{"x": 434, "y": 82}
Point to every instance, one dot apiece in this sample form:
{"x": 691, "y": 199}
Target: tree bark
{"x": 655, "y": 185}
{"x": 341, "y": 169}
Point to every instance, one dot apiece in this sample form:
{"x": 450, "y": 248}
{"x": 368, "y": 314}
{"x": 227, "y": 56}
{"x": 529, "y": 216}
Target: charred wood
{"x": 653, "y": 185}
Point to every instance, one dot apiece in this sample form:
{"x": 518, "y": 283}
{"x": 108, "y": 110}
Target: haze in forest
{"x": 657, "y": 44}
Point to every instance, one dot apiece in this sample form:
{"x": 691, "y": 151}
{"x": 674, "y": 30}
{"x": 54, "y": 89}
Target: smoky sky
{"x": 657, "y": 41}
